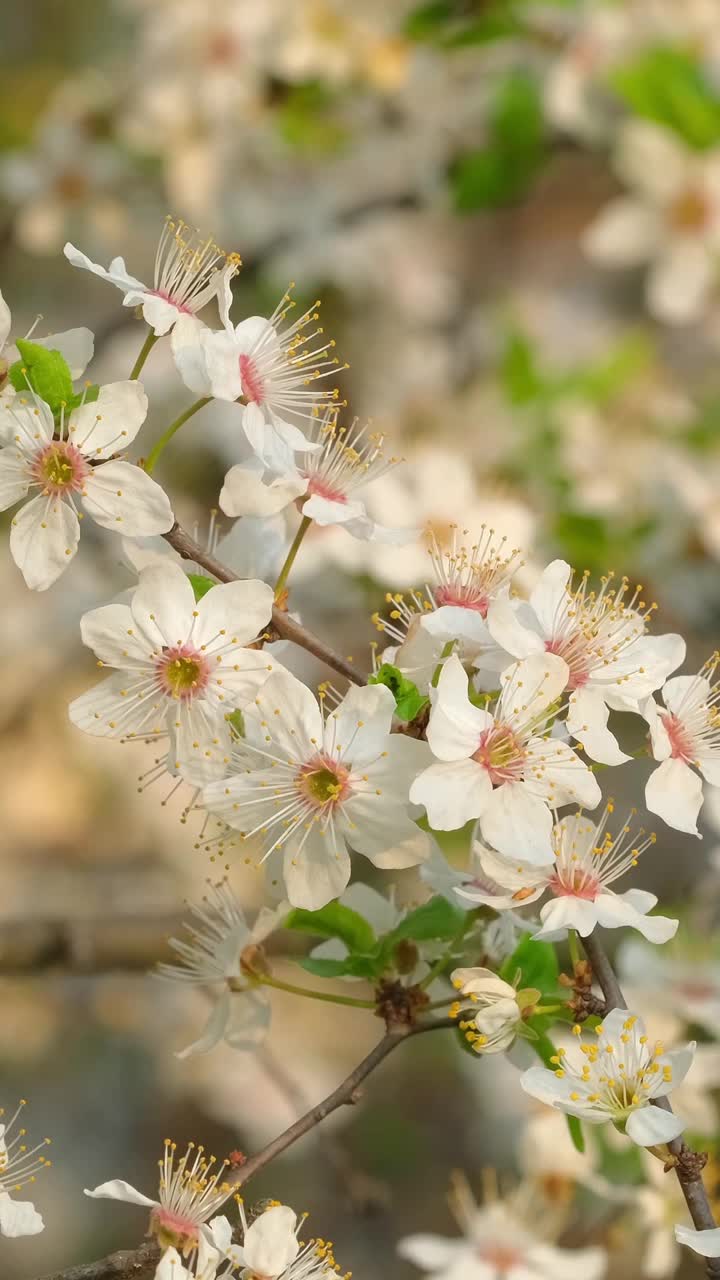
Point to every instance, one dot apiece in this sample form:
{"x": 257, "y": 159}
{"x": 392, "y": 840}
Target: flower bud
{"x": 495, "y": 1023}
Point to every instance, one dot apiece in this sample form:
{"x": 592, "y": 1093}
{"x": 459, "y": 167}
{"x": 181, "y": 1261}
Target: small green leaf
{"x": 200, "y": 584}
{"x": 78, "y": 398}
{"x": 236, "y": 720}
{"x": 335, "y": 921}
{"x": 576, "y": 1133}
{"x": 354, "y": 966}
{"x": 437, "y": 919}
{"x": 46, "y": 371}
{"x": 670, "y": 87}
{"x": 537, "y": 963}
{"x": 409, "y": 701}
{"x": 501, "y": 171}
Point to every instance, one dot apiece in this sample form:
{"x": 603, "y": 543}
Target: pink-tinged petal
{"x": 18, "y": 1218}
{"x": 109, "y": 424}
{"x": 245, "y": 493}
{"x": 624, "y": 233}
{"x": 164, "y": 605}
{"x": 587, "y": 722}
{"x": 358, "y": 728}
{"x": 316, "y": 871}
{"x": 649, "y": 1126}
{"x": 452, "y": 792}
{"x": 674, "y": 792}
{"x": 187, "y": 343}
{"x": 119, "y": 1190}
{"x": 124, "y": 498}
{"x": 231, "y": 610}
{"x": 518, "y": 823}
{"x": 116, "y": 273}
{"x": 511, "y": 629}
{"x": 44, "y": 537}
{"x": 706, "y": 1243}
{"x": 159, "y": 313}
{"x": 14, "y": 477}
{"x": 679, "y": 283}
{"x": 455, "y": 725}
{"x": 325, "y": 511}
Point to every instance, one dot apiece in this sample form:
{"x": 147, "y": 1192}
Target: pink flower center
{"x": 681, "y": 747}
{"x": 252, "y": 383}
{"x": 575, "y": 659}
{"x": 60, "y": 468}
{"x": 574, "y": 884}
{"x": 167, "y": 297}
{"x": 324, "y": 782}
{"x": 182, "y": 672}
{"x": 463, "y": 597}
{"x": 500, "y": 1256}
{"x": 316, "y": 485}
{"x": 501, "y": 753}
{"x": 172, "y": 1229}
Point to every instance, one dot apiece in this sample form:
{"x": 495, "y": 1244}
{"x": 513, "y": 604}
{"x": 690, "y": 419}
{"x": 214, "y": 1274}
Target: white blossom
{"x": 501, "y": 766}
{"x": 706, "y": 1243}
{"x": 601, "y": 635}
{"x": 318, "y": 785}
{"x": 211, "y": 956}
{"x": 181, "y": 667}
{"x": 189, "y": 1192}
{"x": 685, "y": 737}
{"x": 19, "y": 1166}
{"x": 671, "y": 219}
{"x": 327, "y": 484}
{"x": 73, "y": 465}
{"x": 588, "y": 859}
{"x": 615, "y": 1078}
{"x": 498, "y": 1014}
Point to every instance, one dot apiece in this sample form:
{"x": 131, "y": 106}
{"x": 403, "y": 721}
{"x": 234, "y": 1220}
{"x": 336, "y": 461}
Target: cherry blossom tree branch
{"x": 282, "y": 623}
{"x": 139, "y": 1264}
{"x": 689, "y": 1164}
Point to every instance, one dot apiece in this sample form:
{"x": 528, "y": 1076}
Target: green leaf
{"x": 355, "y": 966}
{"x": 409, "y": 701}
{"x": 669, "y": 86}
{"x": 576, "y": 1133}
{"x": 537, "y": 963}
{"x": 519, "y": 373}
{"x": 46, "y": 371}
{"x": 437, "y": 919}
{"x": 335, "y": 921}
{"x": 88, "y": 396}
{"x": 200, "y": 584}
{"x": 501, "y": 171}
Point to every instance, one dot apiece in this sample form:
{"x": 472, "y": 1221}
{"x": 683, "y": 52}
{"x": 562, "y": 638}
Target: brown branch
{"x": 282, "y": 623}
{"x": 107, "y": 945}
{"x": 139, "y": 1264}
{"x": 689, "y": 1165}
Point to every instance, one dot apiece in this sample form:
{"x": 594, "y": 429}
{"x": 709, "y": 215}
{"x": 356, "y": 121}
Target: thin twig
{"x": 139, "y": 1264}
{"x": 282, "y": 623}
{"x": 690, "y": 1179}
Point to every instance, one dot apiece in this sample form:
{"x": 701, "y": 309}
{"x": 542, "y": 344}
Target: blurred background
{"x": 511, "y": 210}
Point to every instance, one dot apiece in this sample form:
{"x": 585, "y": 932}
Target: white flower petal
{"x": 222, "y": 364}
{"x": 455, "y": 725}
{"x": 648, "y": 1126}
{"x": 507, "y": 625}
{"x": 76, "y": 346}
{"x": 674, "y": 792}
{"x": 587, "y": 722}
{"x": 530, "y": 686}
{"x": 315, "y": 870}
{"x": 680, "y": 281}
{"x": 385, "y": 833}
{"x": 241, "y": 609}
{"x": 452, "y": 792}
{"x": 431, "y": 1253}
{"x": 107, "y": 632}
{"x": 18, "y": 1217}
{"x": 105, "y": 713}
{"x": 706, "y": 1243}
{"x": 298, "y": 720}
{"x": 187, "y": 342}
{"x": 122, "y": 497}
{"x": 214, "y": 1028}
{"x": 624, "y": 233}
{"x": 14, "y": 477}
{"x": 119, "y": 1190}
{"x": 44, "y": 537}
{"x": 567, "y": 912}
{"x": 109, "y": 424}
{"x": 164, "y": 604}
{"x": 245, "y": 492}
{"x": 358, "y": 728}
{"x": 617, "y": 910}
{"x": 514, "y": 821}
{"x": 170, "y": 1267}
{"x": 270, "y": 1242}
